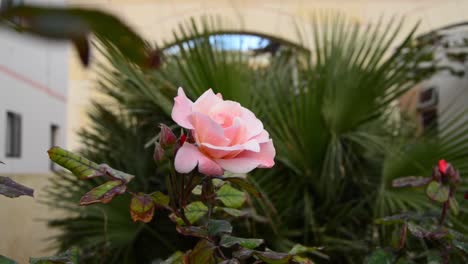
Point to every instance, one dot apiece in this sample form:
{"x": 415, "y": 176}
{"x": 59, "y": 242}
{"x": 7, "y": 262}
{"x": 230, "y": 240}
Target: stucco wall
{"x": 34, "y": 84}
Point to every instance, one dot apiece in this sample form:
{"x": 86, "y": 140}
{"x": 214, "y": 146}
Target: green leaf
{"x": 380, "y": 256}
{"x": 142, "y": 208}
{"x": 193, "y": 211}
{"x": 463, "y": 246}
{"x": 77, "y": 24}
{"x": 5, "y": 260}
{"x": 231, "y": 211}
{"x": 69, "y": 257}
{"x": 434, "y": 257}
{"x": 272, "y": 257}
{"x": 438, "y": 192}
{"x": 203, "y": 253}
{"x": 417, "y": 230}
{"x": 160, "y": 199}
{"x": 244, "y": 184}
{"x": 230, "y": 196}
{"x": 250, "y": 243}
{"x": 302, "y": 260}
{"x": 301, "y": 249}
{"x": 79, "y": 166}
{"x": 103, "y": 193}
{"x": 454, "y": 205}
{"x": 217, "y": 227}
{"x": 197, "y": 190}
{"x": 176, "y": 258}
{"x": 242, "y": 253}
{"x": 12, "y": 189}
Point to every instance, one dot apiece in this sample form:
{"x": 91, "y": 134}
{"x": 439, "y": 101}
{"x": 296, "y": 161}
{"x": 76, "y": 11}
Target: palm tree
{"x": 330, "y": 107}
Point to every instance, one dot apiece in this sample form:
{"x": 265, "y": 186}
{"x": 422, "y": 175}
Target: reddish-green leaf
{"x": 103, "y": 193}
{"x": 79, "y": 166}
{"x": 84, "y": 168}
{"x": 438, "y": 192}
{"x": 10, "y": 188}
{"x": 142, "y": 208}
{"x": 411, "y": 181}
{"x": 195, "y": 231}
{"x": 203, "y": 253}
{"x": 272, "y": 257}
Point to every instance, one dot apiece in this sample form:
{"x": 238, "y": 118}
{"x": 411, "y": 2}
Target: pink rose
{"x": 227, "y": 136}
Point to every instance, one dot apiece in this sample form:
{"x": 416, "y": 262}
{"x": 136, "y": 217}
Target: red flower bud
{"x": 183, "y": 137}
{"x": 443, "y": 166}
{"x": 166, "y": 137}
{"x": 466, "y": 196}
{"x": 158, "y": 152}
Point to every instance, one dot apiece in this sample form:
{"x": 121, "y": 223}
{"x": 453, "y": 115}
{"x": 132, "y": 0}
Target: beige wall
{"x": 23, "y": 230}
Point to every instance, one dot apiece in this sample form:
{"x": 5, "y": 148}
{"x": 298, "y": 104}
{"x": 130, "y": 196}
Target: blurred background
{"x": 392, "y": 76}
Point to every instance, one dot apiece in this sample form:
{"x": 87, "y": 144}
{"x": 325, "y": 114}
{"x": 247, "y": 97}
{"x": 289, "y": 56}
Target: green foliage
{"x": 340, "y": 140}
{"x": 5, "y": 260}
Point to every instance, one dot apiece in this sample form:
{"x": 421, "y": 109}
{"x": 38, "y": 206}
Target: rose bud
{"x": 158, "y": 152}
{"x": 466, "y": 196}
{"x": 166, "y": 137}
{"x": 443, "y": 166}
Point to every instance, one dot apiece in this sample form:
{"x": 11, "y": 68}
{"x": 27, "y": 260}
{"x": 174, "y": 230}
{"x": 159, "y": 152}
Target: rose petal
{"x": 188, "y": 157}
{"x": 236, "y": 132}
{"x": 205, "y": 102}
{"x": 224, "y": 112}
{"x": 182, "y": 109}
{"x": 253, "y": 126}
{"x": 222, "y": 151}
{"x": 248, "y": 160}
{"x": 207, "y": 130}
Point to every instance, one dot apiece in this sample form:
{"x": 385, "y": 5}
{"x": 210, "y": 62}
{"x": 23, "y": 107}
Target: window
{"x": 13, "y": 135}
{"x": 54, "y": 129}
{"x": 429, "y": 118}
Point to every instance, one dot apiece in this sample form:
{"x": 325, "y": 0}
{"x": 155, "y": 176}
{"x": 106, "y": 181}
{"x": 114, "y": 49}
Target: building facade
{"x": 33, "y": 99}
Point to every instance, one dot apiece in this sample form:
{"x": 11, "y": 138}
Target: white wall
{"x": 33, "y": 83}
